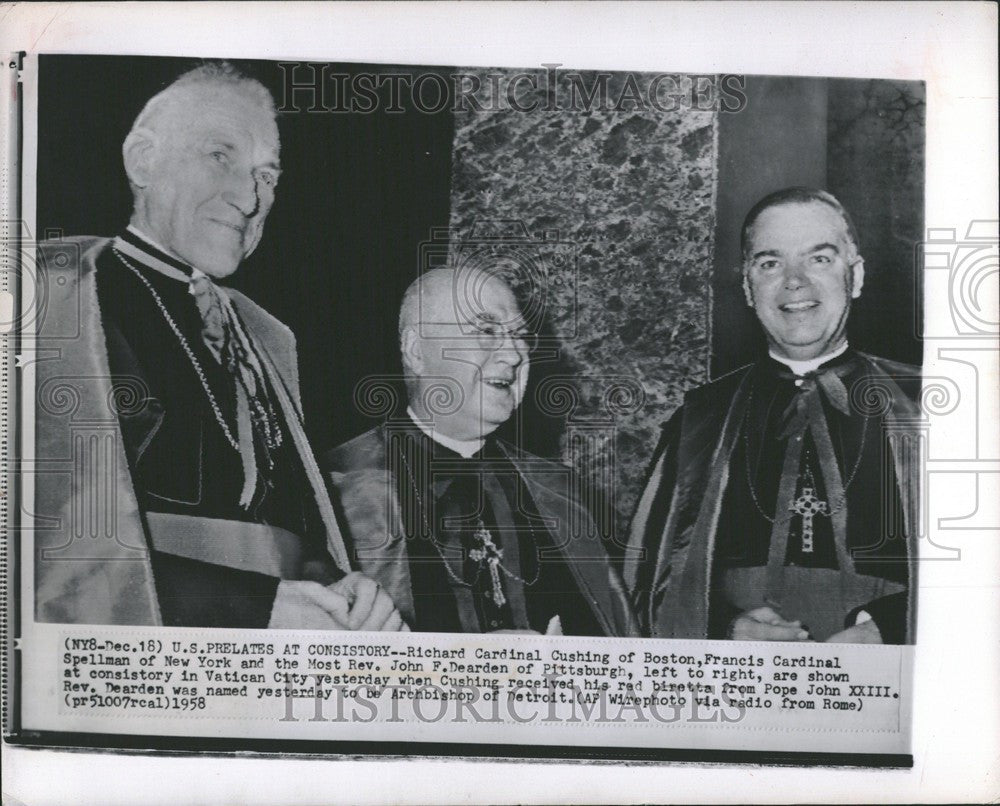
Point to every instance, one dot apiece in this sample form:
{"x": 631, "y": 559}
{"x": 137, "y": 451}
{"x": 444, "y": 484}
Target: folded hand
{"x": 763, "y": 624}
{"x": 352, "y": 603}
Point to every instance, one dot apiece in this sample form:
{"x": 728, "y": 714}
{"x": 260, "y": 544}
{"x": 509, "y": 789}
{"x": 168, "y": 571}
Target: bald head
{"x": 428, "y": 297}
{"x": 460, "y": 333}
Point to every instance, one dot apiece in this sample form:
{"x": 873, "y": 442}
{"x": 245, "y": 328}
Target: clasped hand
{"x": 352, "y": 603}
{"x": 764, "y": 624}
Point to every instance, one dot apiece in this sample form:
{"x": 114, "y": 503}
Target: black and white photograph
{"x": 514, "y": 330}
{"x": 482, "y": 409}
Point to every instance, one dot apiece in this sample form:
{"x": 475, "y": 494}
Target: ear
{"x": 412, "y": 350}
{"x": 746, "y": 289}
{"x": 138, "y": 154}
{"x": 857, "y": 277}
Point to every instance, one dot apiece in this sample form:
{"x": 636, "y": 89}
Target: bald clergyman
{"x": 465, "y": 531}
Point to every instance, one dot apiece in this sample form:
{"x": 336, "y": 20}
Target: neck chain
{"x": 481, "y": 527}
{"x": 809, "y": 477}
{"x": 187, "y": 350}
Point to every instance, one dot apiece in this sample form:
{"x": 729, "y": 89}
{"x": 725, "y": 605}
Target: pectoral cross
{"x": 492, "y": 554}
{"x": 808, "y": 506}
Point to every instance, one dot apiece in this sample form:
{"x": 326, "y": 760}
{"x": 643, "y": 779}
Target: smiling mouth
{"x": 798, "y": 307}
{"x": 498, "y": 383}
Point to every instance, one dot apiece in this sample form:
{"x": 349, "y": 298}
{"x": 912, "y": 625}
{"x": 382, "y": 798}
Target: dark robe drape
{"x": 713, "y": 485}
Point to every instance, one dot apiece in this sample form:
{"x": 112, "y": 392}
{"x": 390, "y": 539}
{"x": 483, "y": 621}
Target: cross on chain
{"x": 808, "y": 506}
{"x": 492, "y": 554}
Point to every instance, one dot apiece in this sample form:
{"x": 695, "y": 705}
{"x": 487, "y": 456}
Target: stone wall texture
{"x": 875, "y": 166}
{"x": 610, "y": 213}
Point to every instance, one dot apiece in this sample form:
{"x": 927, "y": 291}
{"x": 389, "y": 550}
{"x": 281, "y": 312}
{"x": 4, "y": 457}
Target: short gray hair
{"x": 219, "y": 74}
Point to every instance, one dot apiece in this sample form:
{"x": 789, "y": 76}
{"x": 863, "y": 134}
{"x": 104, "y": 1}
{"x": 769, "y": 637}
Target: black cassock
{"x": 181, "y": 462}
{"x": 463, "y": 505}
{"x": 796, "y": 492}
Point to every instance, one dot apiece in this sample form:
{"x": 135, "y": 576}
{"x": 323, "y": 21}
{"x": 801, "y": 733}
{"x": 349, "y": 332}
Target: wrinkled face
{"x": 467, "y": 342}
{"x": 212, "y": 176}
{"x": 800, "y": 274}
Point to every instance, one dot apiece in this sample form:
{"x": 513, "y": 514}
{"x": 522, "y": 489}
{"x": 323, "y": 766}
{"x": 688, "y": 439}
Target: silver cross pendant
{"x": 808, "y": 506}
{"x": 492, "y": 554}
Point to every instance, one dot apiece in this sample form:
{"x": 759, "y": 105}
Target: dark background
{"x": 861, "y": 139}
{"x": 360, "y": 193}
{"x": 357, "y": 196}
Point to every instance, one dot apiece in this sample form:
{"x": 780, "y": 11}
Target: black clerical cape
{"x": 146, "y": 457}
{"x": 412, "y": 508}
{"x": 716, "y": 531}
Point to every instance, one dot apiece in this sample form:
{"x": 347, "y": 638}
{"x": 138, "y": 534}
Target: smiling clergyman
{"x": 465, "y": 531}
{"x": 782, "y": 502}
{"x": 199, "y": 502}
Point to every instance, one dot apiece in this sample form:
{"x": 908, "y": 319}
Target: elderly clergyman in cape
{"x": 782, "y": 501}
{"x": 467, "y": 532}
{"x": 194, "y": 498}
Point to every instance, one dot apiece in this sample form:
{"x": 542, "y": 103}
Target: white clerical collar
{"x": 152, "y": 261}
{"x": 142, "y": 236}
{"x": 463, "y": 447}
{"x": 802, "y": 367}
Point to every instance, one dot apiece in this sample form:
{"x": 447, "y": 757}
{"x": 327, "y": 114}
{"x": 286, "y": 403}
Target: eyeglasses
{"x": 492, "y": 335}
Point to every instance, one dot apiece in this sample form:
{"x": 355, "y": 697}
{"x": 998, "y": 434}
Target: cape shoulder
{"x": 84, "y": 243}
{"x": 710, "y": 401}
{"x": 78, "y": 255}
{"x": 723, "y": 386}
{"x": 358, "y": 457}
{"x": 88, "y": 247}
{"x": 720, "y": 391}
{"x": 270, "y": 328}
{"x": 517, "y": 454}
{"x": 895, "y": 367}
{"x": 364, "y": 452}
{"x": 367, "y": 451}
{"x": 907, "y": 377}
